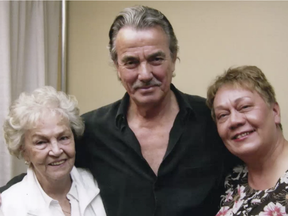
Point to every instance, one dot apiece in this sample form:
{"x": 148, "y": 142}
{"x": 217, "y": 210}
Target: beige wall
{"x": 212, "y": 37}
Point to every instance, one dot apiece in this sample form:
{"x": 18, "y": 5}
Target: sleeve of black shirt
{"x": 82, "y": 156}
{"x": 83, "y": 152}
{"x": 231, "y": 161}
{"x": 13, "y": 181}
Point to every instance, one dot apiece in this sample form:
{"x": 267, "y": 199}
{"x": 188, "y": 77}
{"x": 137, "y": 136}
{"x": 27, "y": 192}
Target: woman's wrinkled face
{"x": 245, "y": 122}
{"x": 50, "y": 148}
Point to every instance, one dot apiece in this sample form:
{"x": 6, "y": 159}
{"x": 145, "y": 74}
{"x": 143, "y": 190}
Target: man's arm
{"x": 13, "y": 181}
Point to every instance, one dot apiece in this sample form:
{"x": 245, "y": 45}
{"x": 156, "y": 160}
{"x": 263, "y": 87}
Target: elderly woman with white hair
{"x": 40, "y": 128}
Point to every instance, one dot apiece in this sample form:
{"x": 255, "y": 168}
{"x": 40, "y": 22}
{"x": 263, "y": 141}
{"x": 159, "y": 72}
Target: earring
{"x": 26, "y": 162}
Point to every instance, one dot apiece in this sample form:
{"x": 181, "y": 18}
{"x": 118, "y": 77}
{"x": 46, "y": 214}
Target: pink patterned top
{"x": 242, "y": 200}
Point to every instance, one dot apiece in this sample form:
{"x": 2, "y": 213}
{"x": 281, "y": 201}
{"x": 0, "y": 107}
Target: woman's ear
{"x": 24, "y": 153}
{"x": 276, "y": 113}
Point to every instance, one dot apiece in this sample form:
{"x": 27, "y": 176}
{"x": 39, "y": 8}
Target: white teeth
{"x": 57, "y": 163}
{"x": 243, "y": 134}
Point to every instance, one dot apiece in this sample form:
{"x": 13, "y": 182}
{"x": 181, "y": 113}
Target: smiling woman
{"x": 247, "y": 115}
{"x": 40, "y": 128}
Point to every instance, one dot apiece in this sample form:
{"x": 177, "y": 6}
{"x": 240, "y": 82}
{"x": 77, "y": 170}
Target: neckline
{"x": 252, "y": 190}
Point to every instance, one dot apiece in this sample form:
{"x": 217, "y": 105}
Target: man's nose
{"x": 145, "y": 72}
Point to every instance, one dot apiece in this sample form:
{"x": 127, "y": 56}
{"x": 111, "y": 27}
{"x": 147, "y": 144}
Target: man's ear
{"x": 119, "y": 75}
{"x": 174, "y": 58}
{"x": 117, "y": 68}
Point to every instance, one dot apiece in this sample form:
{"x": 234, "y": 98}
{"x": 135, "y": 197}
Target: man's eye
{"x": 157, "y": 60}
{"x": 130, "y": 62}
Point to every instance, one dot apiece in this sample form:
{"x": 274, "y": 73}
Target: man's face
{"x": 144, "y": 64}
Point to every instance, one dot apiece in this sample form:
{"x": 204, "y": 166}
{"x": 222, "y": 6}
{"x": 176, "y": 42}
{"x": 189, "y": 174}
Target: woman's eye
{"x": 244, "y": 107}
{"x": 222, "y": 116}
{"x": 64, "y": 138}
{"x": 40, "y": 142}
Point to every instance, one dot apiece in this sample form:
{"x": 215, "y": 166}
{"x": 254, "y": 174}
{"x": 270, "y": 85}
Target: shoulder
{"x": 200, "y": 110}
{"x": 84, "y": 173}
{"x": 102, "y": 113}
{"x": 199, "y": 113}
{"x": 198, "y": 104}
{"x": 15, "y": 189}
{"x": 238, "y": 176}
{"x": 235, "y": 185}
{"x": 194, "y": 102}
{"x": 195, "y": 99}
{"x": 13, "y": 181}
{"x": 84, "y": 176}
{"x": 14, "y": 196}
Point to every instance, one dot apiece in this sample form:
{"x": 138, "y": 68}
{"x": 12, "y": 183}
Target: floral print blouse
{"x": 242, "y": 200}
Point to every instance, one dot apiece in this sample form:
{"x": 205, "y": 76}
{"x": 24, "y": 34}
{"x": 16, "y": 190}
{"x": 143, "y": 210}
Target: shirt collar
{"x": 184, "y": 106}
{"x": 183, "y": 103}
{"x": 48, "y": 200}
{"x": 122, "y": 110}
{"x": 73, "y": 191}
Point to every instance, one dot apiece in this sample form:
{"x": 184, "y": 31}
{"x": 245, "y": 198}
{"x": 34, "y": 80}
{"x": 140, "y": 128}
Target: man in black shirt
{"x": 155, "y": 152}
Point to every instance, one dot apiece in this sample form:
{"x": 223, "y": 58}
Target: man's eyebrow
{"x": 128, "y": 58}
{"x": 159, "y": 53}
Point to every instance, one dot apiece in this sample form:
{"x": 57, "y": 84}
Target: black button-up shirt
{"x": 190, "y": 177}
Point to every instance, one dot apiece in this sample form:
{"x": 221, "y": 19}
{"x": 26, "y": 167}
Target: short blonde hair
{"x": 250, "y": 77}
{"x": 28, "y": 109}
